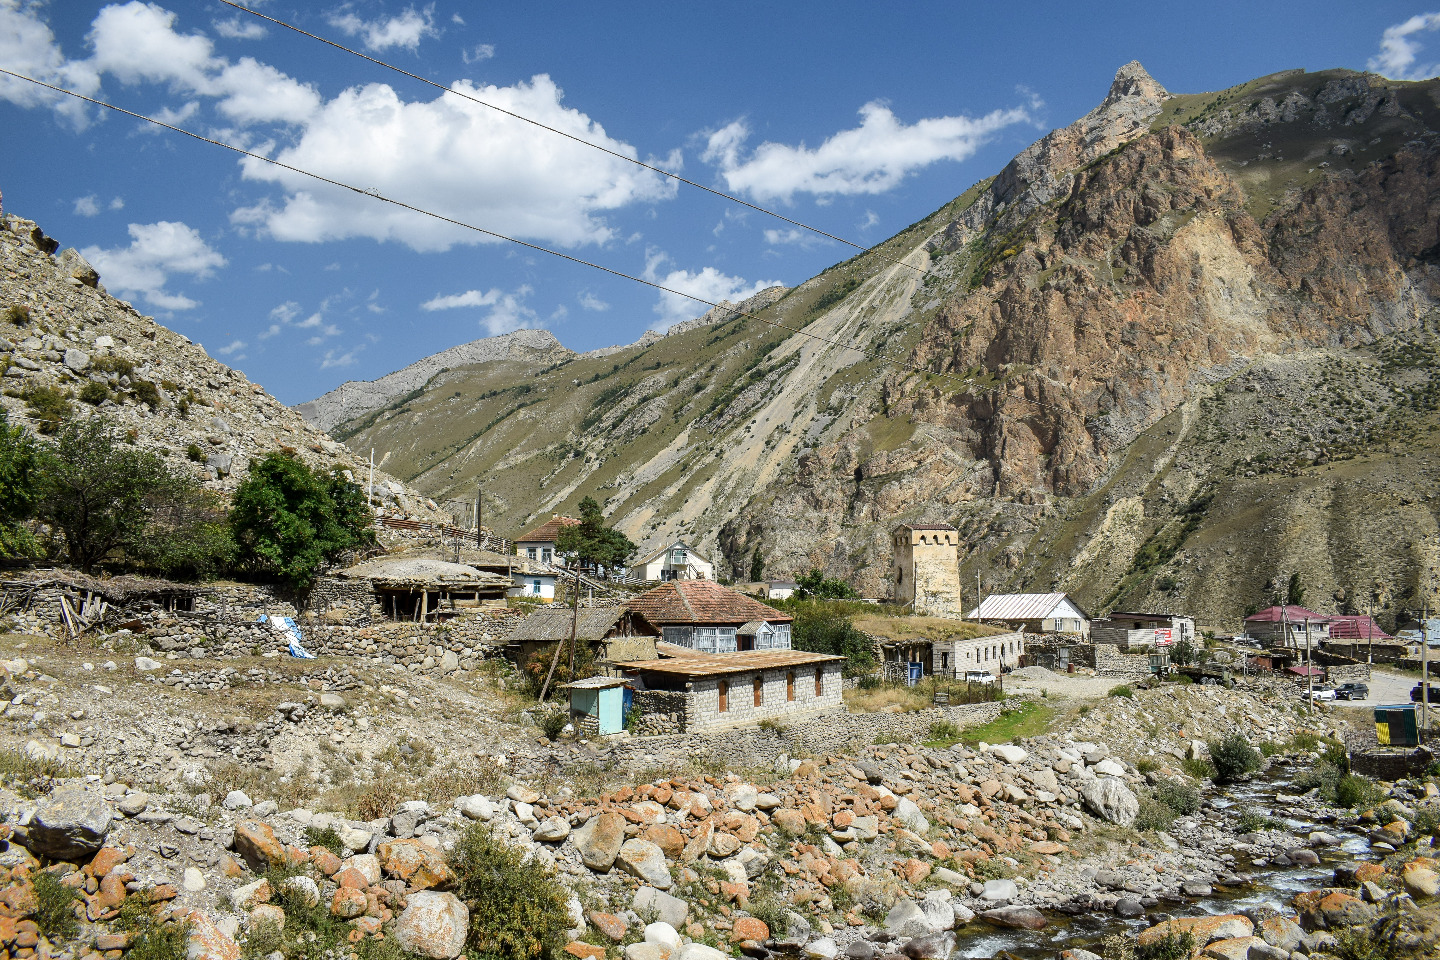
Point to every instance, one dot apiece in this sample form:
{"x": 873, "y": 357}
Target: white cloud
{"x": 28, "y": 46}
{"x": 137, "y": 43}
{"x": 507, "y": 310}
{"x": 87, "y": 206}
{"x": 871, "y": 219}
{"x": 589, "y": 301}
{"x": 234, "y": 346}
{"x": 156, "y": 250}
{"x": 709, "y": 284}
{"x": 447, "y": 154}
{"x": 871, "y": 158}
{"x": 237, "y": 29}
{"x": 805, "y": 239}
{"x": 268, "y": 332}
{"x": 1399, "y": 51}
{"x": 118, "y": 203}
{"x": 335, "y": 358}
{"x": 311, "y": 322}
{"x": 286, "y": 311}
{"x": 406, "y": 30}
{"x": 478, "y": 53}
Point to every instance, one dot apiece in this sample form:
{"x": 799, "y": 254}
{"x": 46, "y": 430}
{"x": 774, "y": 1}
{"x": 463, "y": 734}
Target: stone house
{"x": 927, "y": 568}
{"x": 951, "y": 657}
{"x": 538, "y": 543}
{"x": 705, "y": 691}
{"x": 678, "y": 561}
{"x": 1034, "y": 613}
{"x": 614, "y": 635}
{"x": 423, "y": 589}
{"x": 704, "y": 616}
{"x": 1142, "y": 629}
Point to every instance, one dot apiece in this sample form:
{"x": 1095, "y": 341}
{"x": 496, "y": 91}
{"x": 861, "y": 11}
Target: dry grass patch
{"x": 925, "y": 628}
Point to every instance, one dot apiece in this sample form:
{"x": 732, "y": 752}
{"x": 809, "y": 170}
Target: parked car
{"x": 1352, "y": 691}
{"x": 1434, "y": 696}
{"x": 1321, "y": 693}
{"x": 979, "y": 676}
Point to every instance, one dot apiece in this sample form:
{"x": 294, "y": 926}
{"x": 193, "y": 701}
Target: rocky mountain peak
{"x": 1133, "y": 81}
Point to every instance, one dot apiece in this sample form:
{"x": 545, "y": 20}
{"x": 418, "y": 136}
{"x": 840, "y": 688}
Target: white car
{"x": 1321, "y": 693}
{"x": 978, "y": 676}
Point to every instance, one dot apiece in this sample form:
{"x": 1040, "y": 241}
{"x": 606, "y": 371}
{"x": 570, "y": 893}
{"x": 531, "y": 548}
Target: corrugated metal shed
{"x": 1022, "y": 606}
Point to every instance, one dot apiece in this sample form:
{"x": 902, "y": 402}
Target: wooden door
{"x": 724, "y": 696}
{"x": 819, "y": 682}
{"x": 759, "y": 685}
{"x": 790, "y": 685}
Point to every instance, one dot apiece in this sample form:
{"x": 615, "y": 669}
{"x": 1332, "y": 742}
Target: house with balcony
{"x": 677, "y": 561}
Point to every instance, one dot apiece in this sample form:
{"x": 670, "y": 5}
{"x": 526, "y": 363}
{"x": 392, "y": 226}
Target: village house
{"x": 725, "y": 660}
{"x": 424, "y": 589}
{"x": 1289, "y": 627}
{"x": 780, "y": 589}
{"x": 1045, "y": 613}
{"x": 927, "y": 568}
{"x": 1142, "y": 629}
{"x": 909, "y": 659}
{"x": 611, "y": 634}
{"x": 678, "y": 561}
{"x": 538, "y": 544}
{"x": 534, "y": 582}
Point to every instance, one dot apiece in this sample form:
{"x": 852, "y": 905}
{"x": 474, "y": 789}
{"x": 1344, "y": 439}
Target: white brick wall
{"x": 704, "y": 713}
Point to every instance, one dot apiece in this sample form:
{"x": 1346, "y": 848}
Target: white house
{"x": 534, "y": 583}
{"x": 1033, "y": 613}
{"x": 780, "y": 589}
{"x": 678, "y": 561}
{"x": 538, "y": 545}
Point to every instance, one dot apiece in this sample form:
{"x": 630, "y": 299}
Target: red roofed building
{"x": 705, "y": 616}
{"x": 539, "y": 544}
{"x": 1349, "y": 629}
{"x": 1286, "y": 627}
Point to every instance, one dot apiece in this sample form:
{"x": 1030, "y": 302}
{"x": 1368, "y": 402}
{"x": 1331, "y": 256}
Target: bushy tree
{"x": 1295, "y": 591}
{"x": 288, "y": 519}
{"x": 1233, "y": 757}
{"x": 821, "y": 627}
{"x": 591, "y": 543}
{"x": 518, "y": 910}
{"x": 757, "y": 566}
{"x": 188, "y": 535}
{"x": 1182, "y": 654}
{"x": 104, "y": 494}
{"x": 816, "y": 586}
{"x": 20, "y": 489}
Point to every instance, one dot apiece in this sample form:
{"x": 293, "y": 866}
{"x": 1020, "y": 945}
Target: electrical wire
{"x": 570, "y": 136}
{"x": 376, "y": 195}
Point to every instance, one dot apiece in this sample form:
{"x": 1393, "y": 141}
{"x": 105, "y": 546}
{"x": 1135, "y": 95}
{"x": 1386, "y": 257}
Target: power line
{"x": 376, "y": 195}
{"x": 570, "y": 136}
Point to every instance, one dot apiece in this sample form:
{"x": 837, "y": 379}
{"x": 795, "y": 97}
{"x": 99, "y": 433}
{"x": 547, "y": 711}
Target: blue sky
{"x": 854, "y": 117}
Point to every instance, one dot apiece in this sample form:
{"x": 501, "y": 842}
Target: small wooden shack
{"x": 597, "y": 705}
{"x": 424, "y": 589}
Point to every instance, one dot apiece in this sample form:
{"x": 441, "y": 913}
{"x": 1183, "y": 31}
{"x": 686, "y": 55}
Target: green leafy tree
{"x": 188, "y": 535}
{"x": 815, "y": 585}
{"x": 20, "y": 489}
{"x": 822, "y": 627}
{"x": 757, "y": 566}
{"x": 591, "y": 543}
{"x": 1295, "y": 591}
{"x": 289, "y": 520}
{"x": 102, "y": 493}
{"x": 1182, "y": 654}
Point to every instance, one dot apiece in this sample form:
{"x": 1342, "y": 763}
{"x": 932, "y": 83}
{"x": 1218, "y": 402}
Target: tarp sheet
{"x": 286, "y": 628}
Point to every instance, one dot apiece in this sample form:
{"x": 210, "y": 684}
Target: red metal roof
{"x": 1293, "y": 613}
{"x": 702, "y": 602}
{"x": 1356, "y": 628}
{"x": 1304, "y": 670}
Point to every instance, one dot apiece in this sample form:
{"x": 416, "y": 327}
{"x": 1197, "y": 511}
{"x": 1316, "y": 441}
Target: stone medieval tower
{"x": 927, "y": 568}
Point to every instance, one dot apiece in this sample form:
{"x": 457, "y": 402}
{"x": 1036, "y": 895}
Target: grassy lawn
{"x": 1028, "y": 719}
{"x": 899, "y": 698}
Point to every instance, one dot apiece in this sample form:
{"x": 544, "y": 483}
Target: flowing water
{"x": 1266, "y": 886}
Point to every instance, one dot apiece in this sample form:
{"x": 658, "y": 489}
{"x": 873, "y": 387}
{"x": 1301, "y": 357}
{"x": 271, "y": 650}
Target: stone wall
{"x": 703, "y": 703}
{"x": 1111, "y": 662}
{"x": 659, "y": 713}
{"x": 1348, "y": 673}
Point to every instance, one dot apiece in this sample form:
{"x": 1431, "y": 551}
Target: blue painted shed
{"x": 597, "y": 705}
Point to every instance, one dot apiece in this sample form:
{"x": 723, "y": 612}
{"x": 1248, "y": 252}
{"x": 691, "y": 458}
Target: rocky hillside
{"x": 1177, "y": 350}
{"x": 67, "y": 348}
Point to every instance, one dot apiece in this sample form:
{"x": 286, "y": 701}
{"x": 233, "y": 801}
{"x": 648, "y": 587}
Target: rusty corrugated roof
{"x": 711, "y": 664}
{"x": 701, "y": 602}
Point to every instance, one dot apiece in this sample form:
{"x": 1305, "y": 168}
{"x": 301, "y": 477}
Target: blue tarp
{"x": 296, "y": 639}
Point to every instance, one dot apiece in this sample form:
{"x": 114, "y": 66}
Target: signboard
{"x": 1395, "y": 726}
{"x": 1163, "y": 637}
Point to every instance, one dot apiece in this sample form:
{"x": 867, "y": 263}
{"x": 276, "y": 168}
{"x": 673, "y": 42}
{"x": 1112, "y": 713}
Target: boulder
{"x": 1205, "y": 930}
{"x": 645, "y": 861}
{"x": 909, "y": 814}
{"x": 1009, "y": 752}
{"x": 70, "y": 824}
{"x": 1016, "y": 917}
{"x": 1331, "y": 908}
{"x": 1109, "y": 799}
{"x": 433, "y": 925}
{"x": 72, "y": 264}
{"x": 418, "y": 864}
{"x": 476, "y": 807}
{"x": 598, "y": 841}
{"x": 935, "y": 946}
{"x": 257, "y": 845}
{"x": 906, "y": 919}
{"x": 207, "y": 941}
{"x": 1420, "y": 880}
{"x": 1236, "y": 948}
{"x": 1002, "y": 890}
{"x": 671, "y": 910}
{"x": 553, "y": 830}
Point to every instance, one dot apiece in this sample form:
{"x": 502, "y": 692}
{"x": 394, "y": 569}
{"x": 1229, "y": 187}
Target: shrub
{"x": 1183, "y": 798}
{"x": 113, "y": 364}
{"x": 17, "y": 315}
{"x": 194, "y": 454}
{"x": 517, "y": 908}
{"x": 1172, "y": 946}
{"x": 49, "y": 406}
{"x": 1324, "y": 777}
{"x": 54, "y": 906}
{"x": 145, "y": 392}
{"x": 1198, "y": 767}
{"x": 1153, "y": 815}
{"x": 1357, "y": 792}
{"x": 327, "y": 838}
{"x": 944, "y": 730}
{"x": 1147, "y": 764}
{"x": 1305, "y": 740}
{"x": 552, "y": 722}
{"x": 94, "y": 393}
{"x": 1252, "y": 821}
{"x": 1123, "y": 690}
{"x": 150, "y": 937}
{"x": 1233, "y": 757}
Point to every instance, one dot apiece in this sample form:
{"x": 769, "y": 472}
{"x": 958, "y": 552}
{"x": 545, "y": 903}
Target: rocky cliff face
{"x": 65, "y": 340}
{"x": 1079, "y": 314}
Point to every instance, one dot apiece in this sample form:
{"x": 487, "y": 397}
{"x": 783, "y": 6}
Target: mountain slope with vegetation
{"x": 1176, "y": 352}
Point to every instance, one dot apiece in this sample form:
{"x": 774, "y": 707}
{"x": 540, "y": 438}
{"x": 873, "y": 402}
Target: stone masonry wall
{"x": 704, "y": 702}
{"x": 1110, "y": 662}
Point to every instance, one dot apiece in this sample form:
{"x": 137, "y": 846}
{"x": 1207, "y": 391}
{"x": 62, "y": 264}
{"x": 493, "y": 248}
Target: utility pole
{"x": 1309, "y": 669}
{"x": 574, "y": 617}
{"x": 1424, "y": 672}
{"x": 370, "y": 492}
{"x": 479, "y": 516}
